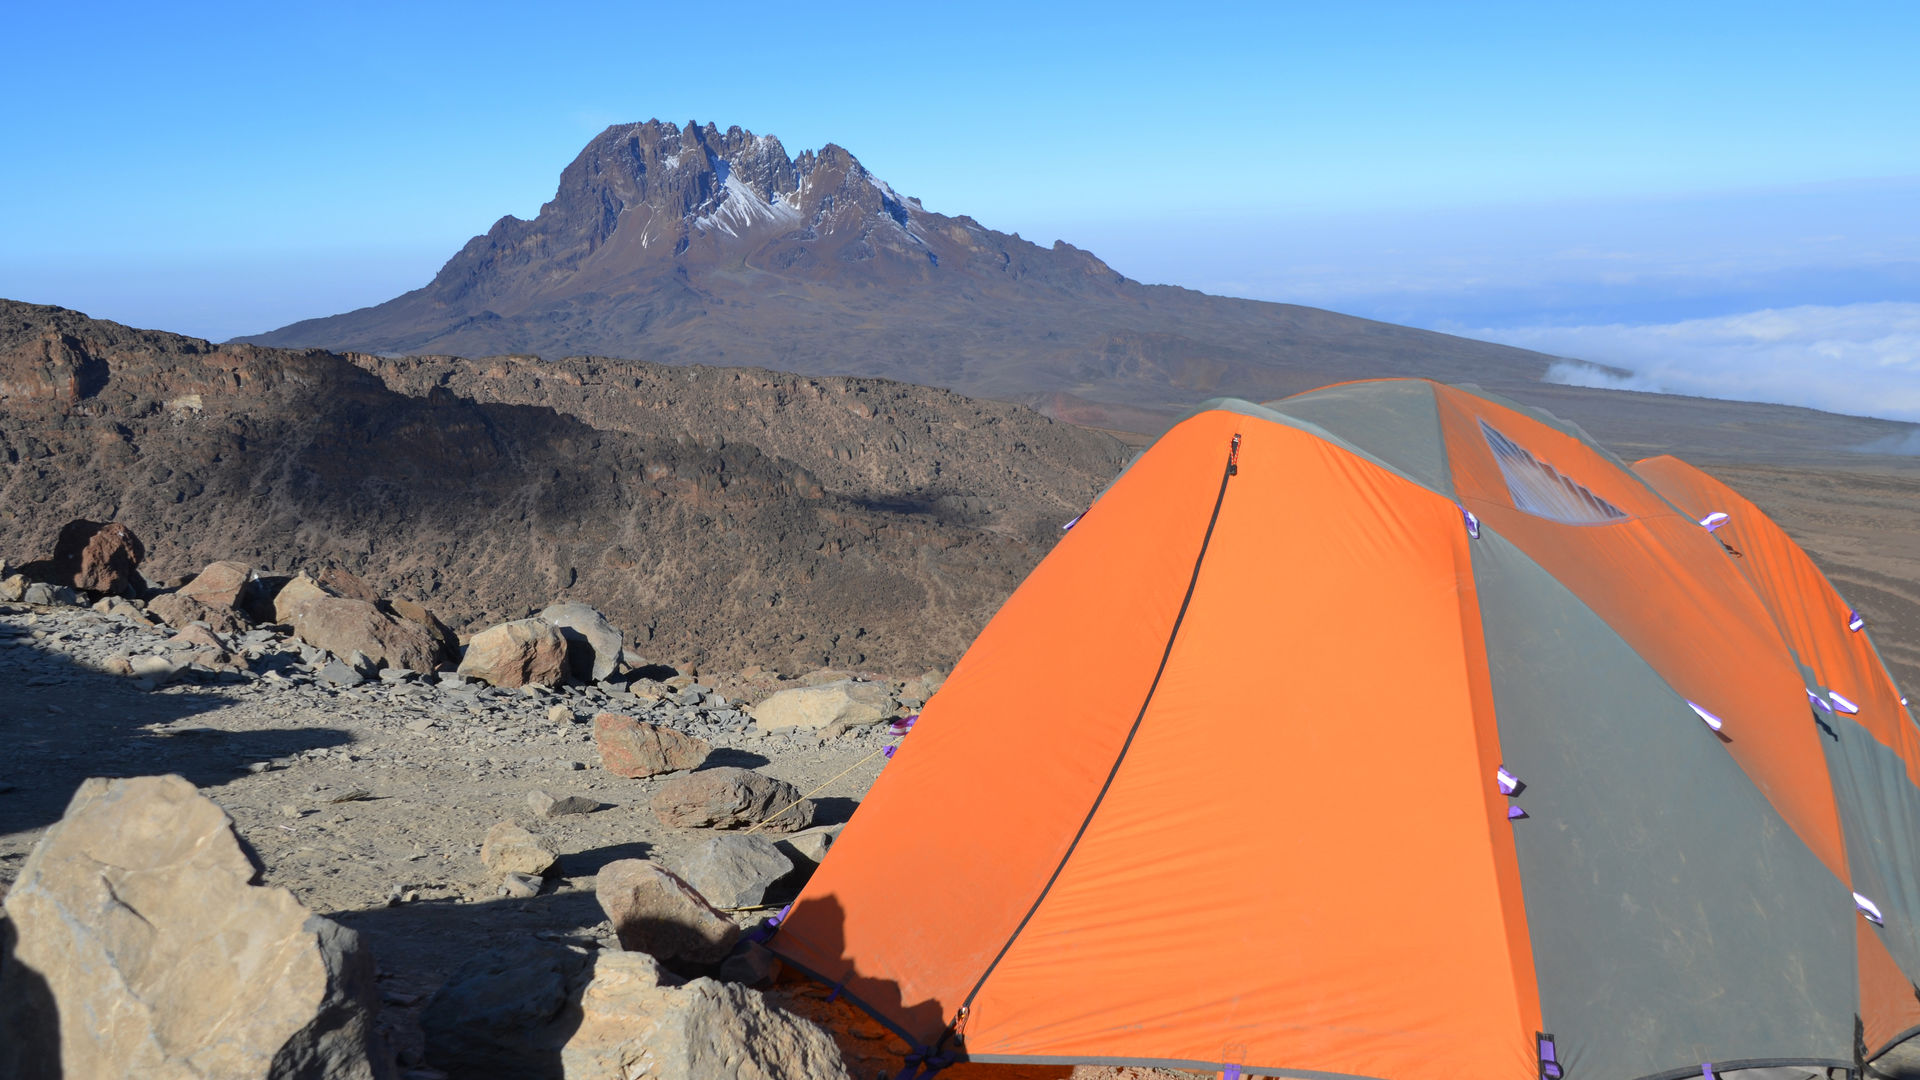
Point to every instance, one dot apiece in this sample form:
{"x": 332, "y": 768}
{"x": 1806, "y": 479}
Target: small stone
{"x": 520, "y": 886}
{"x": 510, "y": 849}
{"x": 750, "y": 964}
{"x": 731, "y": 798}
{"x": 810, "y": 846}
{"x": 340, "y": 673}
{"x": 654, "y": 911}
{"x": 546, "y": 806}
{"x": 634, "y": 749}
{"x": 559, "y": 714}
{"x": 288, "y": 810}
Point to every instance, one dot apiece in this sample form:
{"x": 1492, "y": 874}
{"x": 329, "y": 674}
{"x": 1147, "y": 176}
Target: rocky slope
{"x": 719, "y": 516}
{"x": 696, "y": 245}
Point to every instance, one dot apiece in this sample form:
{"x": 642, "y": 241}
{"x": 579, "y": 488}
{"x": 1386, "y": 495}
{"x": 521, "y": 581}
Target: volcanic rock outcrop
{"x": 685, "y": 504}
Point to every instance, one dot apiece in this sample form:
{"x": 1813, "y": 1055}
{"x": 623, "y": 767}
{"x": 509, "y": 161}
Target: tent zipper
{"x": 1232, "y": 469}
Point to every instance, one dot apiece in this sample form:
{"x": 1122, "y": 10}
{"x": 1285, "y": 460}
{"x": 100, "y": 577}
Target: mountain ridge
{"x": 695, "y": 245}
{"x": 719, "y": 515}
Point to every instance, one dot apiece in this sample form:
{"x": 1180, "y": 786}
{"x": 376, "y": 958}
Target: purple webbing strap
{"x": 1706, "y": 1071}
{"x": 1231, "y": 1072}
{"x": 1714, "y": 520}
{"x": 1549, "y": 1063}
{"x": 1514, "y": 813}
{"x": 1855, "y": 622}
{"x": 1473, "y": 523}
{"x": 1509, "y": 783}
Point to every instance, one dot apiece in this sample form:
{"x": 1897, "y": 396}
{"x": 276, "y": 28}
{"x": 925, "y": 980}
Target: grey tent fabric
{"x": 1398, "y": 423}
{"x": 1674, "y": 916}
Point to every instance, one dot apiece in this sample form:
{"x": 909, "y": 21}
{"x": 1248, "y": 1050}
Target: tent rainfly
{"x": 1397, "y": 731}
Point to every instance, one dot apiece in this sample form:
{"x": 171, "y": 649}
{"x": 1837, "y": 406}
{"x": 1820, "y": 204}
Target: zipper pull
{"x": 1233, "y": 456}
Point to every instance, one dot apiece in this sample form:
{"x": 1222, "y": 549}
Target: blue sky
{"x": 1535, "y": 173}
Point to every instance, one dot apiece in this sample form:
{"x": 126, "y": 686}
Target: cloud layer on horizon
{"x": 1862, "y": 359}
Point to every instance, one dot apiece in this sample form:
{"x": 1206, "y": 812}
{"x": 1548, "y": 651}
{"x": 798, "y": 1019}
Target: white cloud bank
{"x": 1862, "y": 359}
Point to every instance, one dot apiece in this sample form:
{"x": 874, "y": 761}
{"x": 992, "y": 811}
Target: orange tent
{"x": 1395, "y": 731}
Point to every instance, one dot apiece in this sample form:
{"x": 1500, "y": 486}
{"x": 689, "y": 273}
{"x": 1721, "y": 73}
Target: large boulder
{"x": 520, "y": 653}
{"x": 841, "y": 704}
{"x": 416, "y": 613}
{"x": 145, "y": 947}
{"x": 737, "y": 870}
{"x": 215, "y": 597}
{"x": 634, "y": 1023}
{"x": 538, "y": 1011}
{"x": 101, "y": 557}
{"x": 594, "y": 647}
{"x": 181, "y": 612}
{"x": 221, "y": 584}
{"x": 503, "y": 1012}
{"x": 343, "y": 626}
{"x": 301, "y": 590}
{"x": 731, "y": 798}
{"x": 635, "y": 749}
{"x": 340, "y": 581}
{"x": 655, "y": 912}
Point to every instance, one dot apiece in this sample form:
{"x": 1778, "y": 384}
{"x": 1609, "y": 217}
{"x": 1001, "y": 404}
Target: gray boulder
{"x": 594, "y": 646}
{"x": 146, "y": 948}
{"x": 503, "y": 1013}
{"x": 655, "y": 912}
{"x": 736, "y": 870}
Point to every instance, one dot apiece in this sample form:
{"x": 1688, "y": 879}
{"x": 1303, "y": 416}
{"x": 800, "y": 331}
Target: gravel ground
{"x": 370, "y": 803}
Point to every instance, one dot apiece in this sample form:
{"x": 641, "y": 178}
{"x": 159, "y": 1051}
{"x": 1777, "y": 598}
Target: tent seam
{"x": 1173, "y": 635}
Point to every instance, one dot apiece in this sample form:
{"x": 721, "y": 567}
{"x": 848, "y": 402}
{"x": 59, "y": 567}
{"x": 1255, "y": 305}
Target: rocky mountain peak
{"x": 690, "y": 243}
